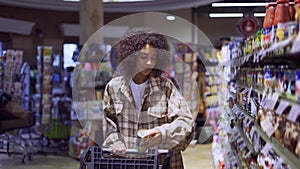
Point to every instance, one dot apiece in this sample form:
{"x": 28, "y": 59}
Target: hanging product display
{"x": 87, "y": 123}
{"x": 44, "y": 82}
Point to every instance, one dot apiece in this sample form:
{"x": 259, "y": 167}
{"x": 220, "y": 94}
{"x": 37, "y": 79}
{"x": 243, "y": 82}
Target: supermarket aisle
{"x": 195, "y": 157}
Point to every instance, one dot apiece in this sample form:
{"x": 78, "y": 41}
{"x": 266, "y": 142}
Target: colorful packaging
{"x": 269, "y": 35}
{"x": 267, "y": 78}
{"x": 280, "y": 32}
{"x": 291, "y": 29}
{"x": 297, "y": 85}
{"x": 290, "y": 92}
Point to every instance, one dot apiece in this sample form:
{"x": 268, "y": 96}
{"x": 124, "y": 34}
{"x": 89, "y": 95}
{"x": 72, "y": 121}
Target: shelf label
{"x": 249, "y": 92}
{"x": 264, "y": 99}
{"x": 295, "y": 47}
{"x": 252, "y": 131}
{"x": 282, "y": 106}
{"x": 278, "y": 163}
{"x": 266, "y": 149}
{"x": 267, "y": 100}
{"x": 268, "y": 127}
{"x": 240, "y": 140}
{"x": 242, "y": 146}
{"x": 249, "y": 122}
{"x": 274, "y": 100}
{"x": 248, "y": 155}
{"x": 294, "y": 113}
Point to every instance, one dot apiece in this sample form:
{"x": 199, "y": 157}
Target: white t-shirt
{"x": 138, "y": 92}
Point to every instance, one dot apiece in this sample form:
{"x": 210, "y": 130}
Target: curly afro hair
{"x": 136, "y": 39}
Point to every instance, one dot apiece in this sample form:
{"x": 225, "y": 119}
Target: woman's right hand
{"x": 118, "y": 148}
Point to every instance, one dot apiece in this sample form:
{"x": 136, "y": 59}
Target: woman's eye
{"x": 143, "y": 56}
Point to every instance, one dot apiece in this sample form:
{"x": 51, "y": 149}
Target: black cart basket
{"x": 97, "y": 158}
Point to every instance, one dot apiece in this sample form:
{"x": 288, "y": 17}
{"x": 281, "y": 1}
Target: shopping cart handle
{"x": 127, "y": 150}
{"x": 160, "y": 151}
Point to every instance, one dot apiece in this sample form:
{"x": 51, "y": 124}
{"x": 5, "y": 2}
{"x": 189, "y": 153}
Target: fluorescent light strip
{"x": 239, "y": 4}
{"x": 259, "y": 14}
{"x": 71, "y": 0}
{"x": 226, "y": 15}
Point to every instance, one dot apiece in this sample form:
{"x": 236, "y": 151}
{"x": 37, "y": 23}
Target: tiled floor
{"x": 195, "y": 157}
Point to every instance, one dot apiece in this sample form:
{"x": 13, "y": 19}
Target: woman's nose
{"x": 148, "y": 62}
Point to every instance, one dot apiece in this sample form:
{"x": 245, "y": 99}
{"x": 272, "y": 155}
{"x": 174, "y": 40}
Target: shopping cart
{"x": 99, "y": 158}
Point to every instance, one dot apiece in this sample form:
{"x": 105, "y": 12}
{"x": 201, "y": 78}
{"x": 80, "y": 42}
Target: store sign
{"x": 248, "y": 25}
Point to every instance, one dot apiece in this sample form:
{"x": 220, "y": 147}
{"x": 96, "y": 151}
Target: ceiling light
{"x": 71, "y": 0}
{"x": 239, "y": 4}
{"x": 170, "y": 17}
{"x": 112, "y": 0}
{"x": 259, "y": 14}
{"x": 225, "y": 15}
{"x": 125, "y": 0}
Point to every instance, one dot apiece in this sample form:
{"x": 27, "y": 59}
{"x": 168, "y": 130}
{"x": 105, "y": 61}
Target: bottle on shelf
{"x": 268, "y": 23}
{"x": 282, "y": 16}
{"x": 297, "y": 12}
{"x": 292, "y": 10}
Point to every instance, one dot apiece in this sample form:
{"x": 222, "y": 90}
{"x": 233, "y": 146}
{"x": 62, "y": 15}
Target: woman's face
{"x": 146, "y": 60}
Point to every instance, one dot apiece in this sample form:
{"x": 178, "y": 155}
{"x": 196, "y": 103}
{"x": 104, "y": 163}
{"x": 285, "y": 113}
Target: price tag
{"x": 242, "y": 146}
{"x": 262, "y": 54}
{"x": 249, "y": 92}
{"x": 252, "y": 131}
{"x": 274, "y": 100}
{"x": 268, "y": 127}
{"x": 295, "y": 47}
{"x": 266, "y": 149}
{"x": 269, "y": 101}
{"x": 240, "y": 140}
{"x": 248, "y": 155}
{"x": 278, "y": 163}
{"x": 281, "y": 107}
{"x": 235, "y": 109}
{"x": 264, "y": 100}
{"x": 294, "y": 113}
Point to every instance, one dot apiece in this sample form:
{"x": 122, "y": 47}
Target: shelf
{"x": 246, "y": 113}
{"x": 209, "y": 75}
{"x": 210, "y": 94}
{"x": 261, "y": 92}
{"x": 210, "y": 64}
{"x": 266, "y": 57}
{"x": 238, "y": 158}
{"x": 246, "y": 140}
{"x": 238, "y": 61}
{"x": 288, "y": 157}
{"x": 290, "y": 59}
{"x": 212, "y": 84}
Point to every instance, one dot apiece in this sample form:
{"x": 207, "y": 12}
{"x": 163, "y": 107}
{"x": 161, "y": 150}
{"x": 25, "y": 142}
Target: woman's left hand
{"x": 152, "y": 138}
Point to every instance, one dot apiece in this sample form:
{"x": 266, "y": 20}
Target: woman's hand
{"x": 150, "y": 139}
{"x": 118, "y": 148}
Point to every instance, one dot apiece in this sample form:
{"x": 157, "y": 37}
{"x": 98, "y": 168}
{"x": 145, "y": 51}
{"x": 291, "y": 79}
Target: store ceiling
{"x": 155, "y": 5}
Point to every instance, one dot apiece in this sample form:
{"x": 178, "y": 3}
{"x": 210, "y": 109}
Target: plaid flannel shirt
{"x": 163, "y": 108}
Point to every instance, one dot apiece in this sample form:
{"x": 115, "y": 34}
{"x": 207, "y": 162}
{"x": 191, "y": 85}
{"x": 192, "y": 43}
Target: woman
{"x": 141, "y": 98}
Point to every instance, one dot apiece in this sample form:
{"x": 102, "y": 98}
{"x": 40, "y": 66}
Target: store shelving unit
{"x": 261, "y": 58}
{"x": 289, "y": 158}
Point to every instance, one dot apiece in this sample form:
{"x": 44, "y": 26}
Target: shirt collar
{"x": 154, "y": 84}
